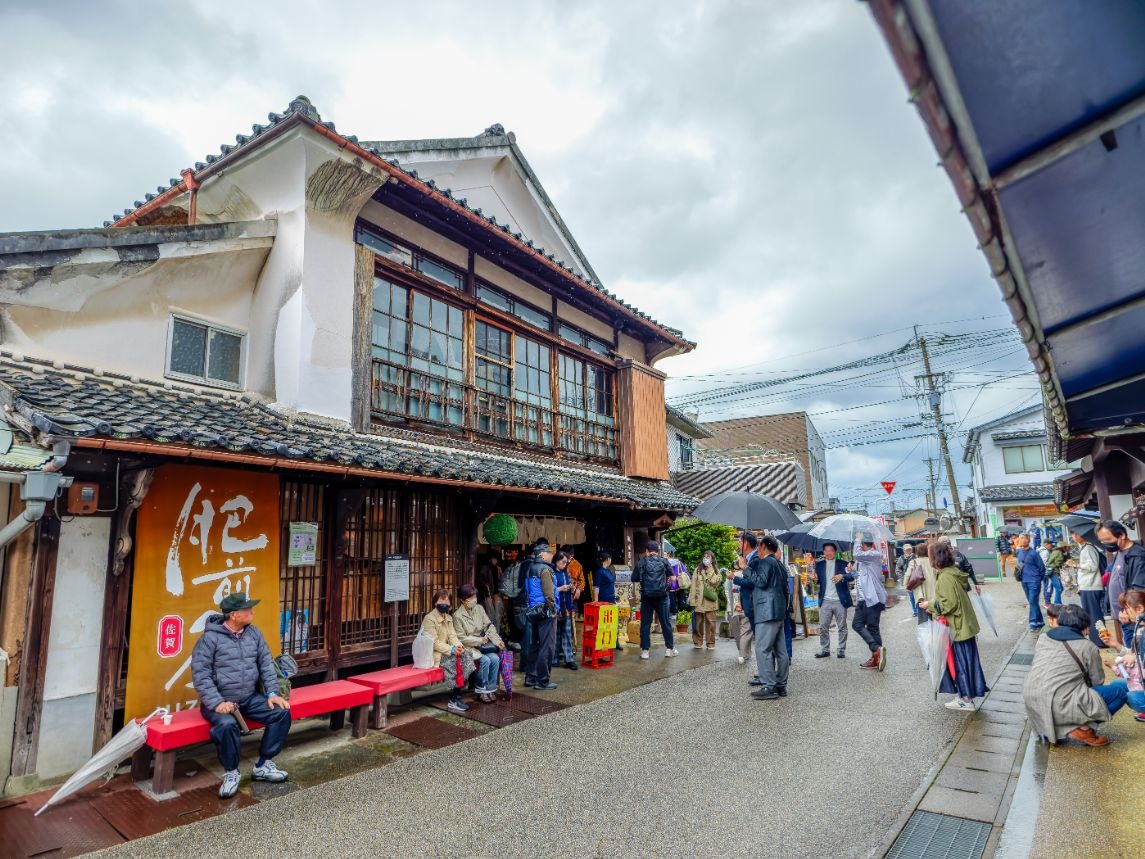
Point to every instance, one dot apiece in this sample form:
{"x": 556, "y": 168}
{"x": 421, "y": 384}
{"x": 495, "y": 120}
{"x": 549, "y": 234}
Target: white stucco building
{"x": 1012, "y": 471}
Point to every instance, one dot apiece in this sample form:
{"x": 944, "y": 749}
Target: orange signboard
{"x": 200, "y": 534}
{"x": 1030, "y": 511}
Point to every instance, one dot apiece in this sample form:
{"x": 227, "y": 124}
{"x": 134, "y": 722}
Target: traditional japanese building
{"x": 307, "y": 370}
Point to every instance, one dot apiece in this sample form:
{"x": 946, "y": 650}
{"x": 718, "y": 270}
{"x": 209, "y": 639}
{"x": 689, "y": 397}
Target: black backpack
{"x": 654, "y": 577}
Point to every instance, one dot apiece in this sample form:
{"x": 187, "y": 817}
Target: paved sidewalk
{"x": 603, "y": 778}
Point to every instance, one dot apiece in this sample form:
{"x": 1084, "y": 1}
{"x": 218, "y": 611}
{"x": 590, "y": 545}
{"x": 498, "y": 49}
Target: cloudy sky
{"x": 748, "y": 171}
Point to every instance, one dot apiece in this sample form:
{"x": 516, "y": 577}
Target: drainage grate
{"x": 1022, "y": 659}
{"x": 431, "y": 733}
{"x": 936, "y": 836}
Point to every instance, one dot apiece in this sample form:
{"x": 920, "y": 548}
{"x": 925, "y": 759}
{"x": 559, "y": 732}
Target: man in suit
{"x": 835, "y": 602}
{"x": 771, "y": 604}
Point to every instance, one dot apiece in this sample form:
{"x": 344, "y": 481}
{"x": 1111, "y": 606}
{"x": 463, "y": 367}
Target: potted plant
{"x": 683, "y": 621}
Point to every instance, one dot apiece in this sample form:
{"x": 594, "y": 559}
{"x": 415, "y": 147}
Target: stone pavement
{"x": 687, "y": 765}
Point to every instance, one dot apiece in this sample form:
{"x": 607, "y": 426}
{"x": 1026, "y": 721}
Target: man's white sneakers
{"x": 643, "y": 654}
{"x": 268, "y": 772}
{"x": 670, "y": 652}
{"x": 230, "y": 785}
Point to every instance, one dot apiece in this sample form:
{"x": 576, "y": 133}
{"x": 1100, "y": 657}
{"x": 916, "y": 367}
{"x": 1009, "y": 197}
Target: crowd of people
{"x": 531, "y": 607}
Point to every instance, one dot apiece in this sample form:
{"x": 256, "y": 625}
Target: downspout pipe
{"x": 36, "y": 490}
{"x": 33, "y": 513}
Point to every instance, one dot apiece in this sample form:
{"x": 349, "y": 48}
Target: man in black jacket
{"x": 652, "y": 573}
{"x": 228, "y": 662}
{"x": 835, "y": 601}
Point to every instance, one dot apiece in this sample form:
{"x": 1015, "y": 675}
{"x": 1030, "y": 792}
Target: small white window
{"x": 204, "y": 353}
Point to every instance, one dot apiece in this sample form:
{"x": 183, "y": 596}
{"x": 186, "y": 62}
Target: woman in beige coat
{"x": 921, "y": 565}
{"x": 705, "y": 601}
{"x": 1066, "y": 693}
{"x": 447, "y": 647}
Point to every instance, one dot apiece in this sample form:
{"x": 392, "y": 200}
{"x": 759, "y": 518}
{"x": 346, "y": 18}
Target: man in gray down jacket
{"x": 229, "y": 660}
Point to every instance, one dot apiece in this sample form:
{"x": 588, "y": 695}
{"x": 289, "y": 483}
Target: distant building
{"x": 683, "y": 430}
{"x": 771, "y": 439}
{"x": 783, "y": 481}
{"x": 1013, "y": 475}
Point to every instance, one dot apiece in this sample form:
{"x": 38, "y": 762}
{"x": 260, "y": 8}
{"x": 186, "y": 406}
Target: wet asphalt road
{"x": 688, "y": 765}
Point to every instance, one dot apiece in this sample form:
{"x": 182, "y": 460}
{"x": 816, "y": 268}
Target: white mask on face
{"x": 707, "y": 562}
{"x": 472, "y": 601}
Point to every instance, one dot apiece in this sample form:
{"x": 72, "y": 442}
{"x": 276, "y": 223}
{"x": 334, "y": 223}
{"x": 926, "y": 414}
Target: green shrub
{"x": 692, "y": 538}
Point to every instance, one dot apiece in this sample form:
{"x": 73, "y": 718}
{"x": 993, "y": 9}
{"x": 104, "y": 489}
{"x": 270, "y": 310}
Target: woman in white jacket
{"x": 1089, "y": 586}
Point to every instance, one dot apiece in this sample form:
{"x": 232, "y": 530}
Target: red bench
{"x": 189, "y": 728}
{"x": 399, "y": 679}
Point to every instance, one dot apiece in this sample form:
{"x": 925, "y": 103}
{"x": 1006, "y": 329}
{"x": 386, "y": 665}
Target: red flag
{"x": 889, "y": 486}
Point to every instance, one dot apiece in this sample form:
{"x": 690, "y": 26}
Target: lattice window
{"x": 302, "y": 590}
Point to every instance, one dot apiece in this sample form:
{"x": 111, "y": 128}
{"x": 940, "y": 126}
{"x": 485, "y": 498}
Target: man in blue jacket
{"x": 835, "y": 601}
{"x": 1033, "y": 571}
{"x": 228, "y": 662}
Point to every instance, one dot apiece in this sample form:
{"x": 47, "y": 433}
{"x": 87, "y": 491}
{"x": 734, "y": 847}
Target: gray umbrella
{"x": 750, "y": 510}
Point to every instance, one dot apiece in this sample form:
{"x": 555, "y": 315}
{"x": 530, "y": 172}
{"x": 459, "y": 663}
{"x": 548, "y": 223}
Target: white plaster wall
{"x": 591, "y": 324}
{"x": 630, "y": 347}
{"x": 993, "y": 465}
{"x": 416, "y": 233}
{"x": 512, "y": 284}
{"x": 70, "y": 681}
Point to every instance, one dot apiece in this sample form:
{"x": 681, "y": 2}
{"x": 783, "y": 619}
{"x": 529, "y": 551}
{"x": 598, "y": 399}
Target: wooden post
{"x": 34, "y": 664}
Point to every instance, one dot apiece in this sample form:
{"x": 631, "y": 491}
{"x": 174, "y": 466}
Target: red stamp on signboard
{"x": 170, "y": 641}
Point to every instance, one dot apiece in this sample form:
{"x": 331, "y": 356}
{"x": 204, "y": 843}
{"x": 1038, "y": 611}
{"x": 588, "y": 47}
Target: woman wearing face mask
{"x": 565, "y": 653}
{"x": 447, "y": 647}
{"x": 479, "y": 635}
{"x": 704, "y": 599}
{"x": 1131, "y": 661}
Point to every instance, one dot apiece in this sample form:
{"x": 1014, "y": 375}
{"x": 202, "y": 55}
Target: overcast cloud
{"x": 750, "y": 172}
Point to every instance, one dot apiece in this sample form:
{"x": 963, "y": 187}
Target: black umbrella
{"x": 749, "y": 510}
{"x": 1082, "y": 525}
{"x": 798, "y": 538}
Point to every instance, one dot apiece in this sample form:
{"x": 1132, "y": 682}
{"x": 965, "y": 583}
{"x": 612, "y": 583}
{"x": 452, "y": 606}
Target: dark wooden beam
{"x": 30, "y": 702}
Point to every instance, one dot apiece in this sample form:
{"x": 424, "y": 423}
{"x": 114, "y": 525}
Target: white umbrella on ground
{"x": 104, "y": 762}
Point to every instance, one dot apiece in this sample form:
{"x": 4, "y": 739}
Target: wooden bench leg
{"x": 337, "y": 720}
{"x": 141, "y": 764}
{"x": 379, "y": 712}
{"x": 358, "y": 716}
{"x": 164, "y": 779}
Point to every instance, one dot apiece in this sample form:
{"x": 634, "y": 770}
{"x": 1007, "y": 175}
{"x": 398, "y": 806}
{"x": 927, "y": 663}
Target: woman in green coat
{"x": 952, "y": 603}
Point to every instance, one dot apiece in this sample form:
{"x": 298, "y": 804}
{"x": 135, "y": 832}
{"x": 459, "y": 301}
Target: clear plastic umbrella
{"x": 104, "y": 762}
{"x": 934, "y": 637}
{"x": 844, "y": 528}
{"x": 984, "y": 606}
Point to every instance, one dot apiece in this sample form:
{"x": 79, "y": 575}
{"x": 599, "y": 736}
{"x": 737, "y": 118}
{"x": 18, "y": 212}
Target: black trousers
{"x": 866, "y": 623}
{"x": 227, "y": 738}
{"x": 541, "y": 654}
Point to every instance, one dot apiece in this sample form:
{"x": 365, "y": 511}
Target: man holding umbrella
{"x": 834, "y": 600}
{"x": 771, "y": 604}
{"x": 872, "y": 599}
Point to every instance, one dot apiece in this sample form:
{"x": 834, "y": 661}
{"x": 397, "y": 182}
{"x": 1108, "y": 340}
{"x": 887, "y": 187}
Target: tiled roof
{"x": 1017, "y": 492}
{"x": 300, "y": 109}
{"x": 1035, "y": 433}
{"x": 56, "y": 399}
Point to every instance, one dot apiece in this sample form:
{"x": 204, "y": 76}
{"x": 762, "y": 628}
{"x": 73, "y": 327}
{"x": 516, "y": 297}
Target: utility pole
{"x": 931, "y": 496}
{"x": 936, "y": 410}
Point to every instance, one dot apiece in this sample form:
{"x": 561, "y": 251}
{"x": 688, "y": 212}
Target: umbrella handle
{"x": 158, "y": 711}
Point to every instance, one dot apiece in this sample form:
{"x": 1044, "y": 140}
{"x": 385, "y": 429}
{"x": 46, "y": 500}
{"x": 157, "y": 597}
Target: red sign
{"x": 170, "y": 636}
{"x": 889, "y": 486}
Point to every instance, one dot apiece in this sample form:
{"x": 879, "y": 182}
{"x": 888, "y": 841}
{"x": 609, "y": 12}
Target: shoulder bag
{"x": 1084, "y": 673}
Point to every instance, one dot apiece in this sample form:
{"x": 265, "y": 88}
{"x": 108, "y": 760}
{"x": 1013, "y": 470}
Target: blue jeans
{"x": 1136, "y": 701}
{"x": 913, "y": 604}
{"x": 1054, "y": 585}
{"x": 1114, "y": 694}
{"x": 1033, "y": 595}
{"x": 660, "y": 607}
{"x": 488, "y": 672}
{"x": 227, "y": 738}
